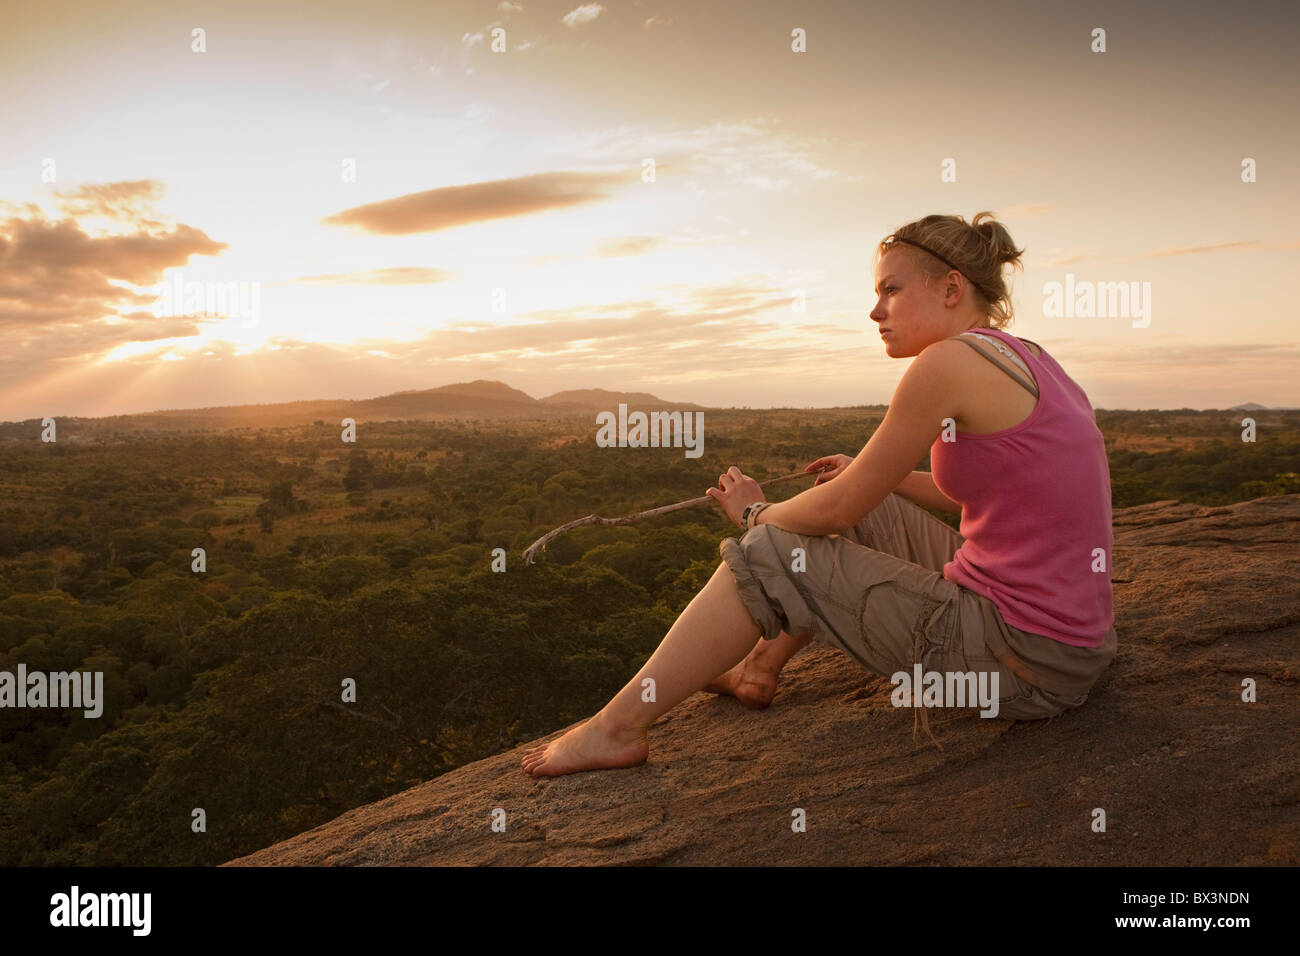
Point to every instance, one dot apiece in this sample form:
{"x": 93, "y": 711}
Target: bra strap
{"x": 1001, "y": 364}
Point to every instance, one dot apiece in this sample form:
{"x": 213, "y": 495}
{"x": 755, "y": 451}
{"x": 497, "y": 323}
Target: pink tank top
{"x": 1035, "y": 511}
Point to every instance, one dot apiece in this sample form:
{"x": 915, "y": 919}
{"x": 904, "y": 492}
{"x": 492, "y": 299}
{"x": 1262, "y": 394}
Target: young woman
{"x": 1022, "y": 593}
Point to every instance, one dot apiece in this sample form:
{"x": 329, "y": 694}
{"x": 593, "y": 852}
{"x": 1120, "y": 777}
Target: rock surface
{"x": 1187, "y": 772}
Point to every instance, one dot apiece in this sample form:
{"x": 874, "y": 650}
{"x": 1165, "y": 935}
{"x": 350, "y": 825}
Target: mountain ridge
{"x": 479, "y": 399}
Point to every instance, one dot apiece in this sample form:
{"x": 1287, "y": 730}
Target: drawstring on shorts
{"x": 1007, "y": 657}
{"x": 918, "y": 713}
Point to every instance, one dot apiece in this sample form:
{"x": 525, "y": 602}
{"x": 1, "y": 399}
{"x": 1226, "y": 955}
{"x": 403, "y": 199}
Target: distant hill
{"x": 481, "y": 388}
{"x": 603, "y": 399}
{"x": 480, "y": 399}
{"x": 1248, "y": 407}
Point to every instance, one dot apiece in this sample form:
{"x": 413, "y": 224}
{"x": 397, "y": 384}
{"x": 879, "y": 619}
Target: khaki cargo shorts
{"x": 877, "y": 592}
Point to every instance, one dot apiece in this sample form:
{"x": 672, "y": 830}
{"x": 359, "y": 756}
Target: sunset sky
{"x": 498, "y": 225}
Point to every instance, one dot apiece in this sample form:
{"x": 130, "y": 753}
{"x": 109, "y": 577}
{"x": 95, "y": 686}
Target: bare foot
{"x": 589, "y": 746}
{"x": 748, "y": 682}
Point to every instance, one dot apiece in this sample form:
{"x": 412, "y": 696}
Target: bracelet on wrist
{"x": 749, "y": 517}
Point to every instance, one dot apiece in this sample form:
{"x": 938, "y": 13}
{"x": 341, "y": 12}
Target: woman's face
{"x": 909, "y": 314}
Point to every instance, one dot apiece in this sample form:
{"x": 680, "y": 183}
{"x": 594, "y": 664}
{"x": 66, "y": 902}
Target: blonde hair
{"x": 978, "y": 249}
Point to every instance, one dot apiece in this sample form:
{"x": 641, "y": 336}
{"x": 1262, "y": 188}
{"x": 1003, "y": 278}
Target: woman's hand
{"x": 834, "y": 464}
{"x": 734, "y": 491}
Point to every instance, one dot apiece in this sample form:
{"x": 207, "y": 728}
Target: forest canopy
{"x": 322, "y": 563}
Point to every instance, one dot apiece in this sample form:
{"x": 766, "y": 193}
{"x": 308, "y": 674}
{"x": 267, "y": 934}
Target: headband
{"x": 948, "y": 262}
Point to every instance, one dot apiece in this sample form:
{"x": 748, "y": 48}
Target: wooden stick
{"x": 531, "y": 551}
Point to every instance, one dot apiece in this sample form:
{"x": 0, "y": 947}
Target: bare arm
{"x": 914, "y": 418}
{"x": 919, "y": 488}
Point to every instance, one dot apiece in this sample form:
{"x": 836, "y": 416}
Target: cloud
{"x": 615, "y": 246}
{"x": 749, "y": 152}
{"x": 450, "y": 206}
{"x": 1219, "y": 247}
{"x": 1242, "y": 245}
{"x": 583, "y": 14}
{"x": 703, "y": 344}
{"x": 769, "y": 183}
{"x": 52, "y": 271}
{"x": 657, "y": 21}
{"x": 396, "y": 275}
{"x": 65, "y": 293}
{"x": 130, "y": 201}
{"x": 507, "y": 7}
{"x": 692, "y": 335}
{"x": 629, "y": 246}
{"x": 641, "y": 335}
{"x": 1162, "y": 356}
